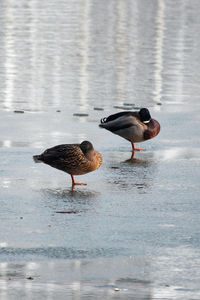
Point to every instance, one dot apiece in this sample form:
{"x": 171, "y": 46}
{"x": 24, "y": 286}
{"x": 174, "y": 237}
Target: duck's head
{"x": 86, "y": 147}
{"x": 145, "y": 116}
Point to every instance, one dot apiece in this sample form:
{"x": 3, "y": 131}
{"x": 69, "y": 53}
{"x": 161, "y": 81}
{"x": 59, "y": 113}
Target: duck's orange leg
{"x": 76, "y": 183}
{"x": 135, "y": 149}
{"x": 133, "y": 153}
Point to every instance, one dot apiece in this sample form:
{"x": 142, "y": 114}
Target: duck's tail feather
{"x": 103, "y": 121}
{"x": 37, "y": 158}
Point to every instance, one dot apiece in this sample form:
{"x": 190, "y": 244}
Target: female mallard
{"x": 74, "y": 159}
{"x": 136, "y": 127}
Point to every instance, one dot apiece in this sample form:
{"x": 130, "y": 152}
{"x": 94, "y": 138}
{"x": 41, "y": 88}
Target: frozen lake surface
{"x": 133, "y": 231}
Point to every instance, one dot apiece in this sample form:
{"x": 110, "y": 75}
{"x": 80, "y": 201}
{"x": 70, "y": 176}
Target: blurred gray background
{"x": 135, "y": 226}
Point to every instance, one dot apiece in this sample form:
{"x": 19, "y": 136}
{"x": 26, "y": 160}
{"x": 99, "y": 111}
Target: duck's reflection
{"x": 134, "y": 173}
{"x": 69, "y": 201}
{"x": 138, "y": 162}
{"x": 70, "y": 194}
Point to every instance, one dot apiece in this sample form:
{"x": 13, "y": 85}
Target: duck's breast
{"x": 152, "y": 130}
{"x": 87, "y": 165}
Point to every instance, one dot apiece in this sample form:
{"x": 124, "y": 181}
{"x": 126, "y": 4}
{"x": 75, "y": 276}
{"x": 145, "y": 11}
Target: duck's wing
{"x": 61, "y": 154}
{"x": 120, "y": 121}
{"x": 118, "y": 115}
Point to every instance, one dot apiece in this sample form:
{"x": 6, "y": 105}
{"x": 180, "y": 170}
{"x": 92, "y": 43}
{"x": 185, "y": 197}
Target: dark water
{"x": 135, "y": 226}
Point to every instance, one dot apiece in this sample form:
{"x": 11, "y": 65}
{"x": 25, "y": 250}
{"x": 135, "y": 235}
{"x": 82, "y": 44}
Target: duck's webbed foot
{"x": 139, "y": 149}
{"x": 76, "y": 183}
{"x": 136, "y": 149}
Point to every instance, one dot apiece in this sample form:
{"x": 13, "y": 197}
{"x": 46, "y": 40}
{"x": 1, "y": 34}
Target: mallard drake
{"x": 74, "y": 159}
{"x": 136, "y": 127}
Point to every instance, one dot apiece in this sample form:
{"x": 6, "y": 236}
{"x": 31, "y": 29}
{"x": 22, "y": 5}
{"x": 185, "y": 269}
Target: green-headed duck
{"x": 136, "y": 127}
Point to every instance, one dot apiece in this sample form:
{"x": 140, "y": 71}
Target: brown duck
{"x": 136, "y": 127}
{"x": 74, "y": 159}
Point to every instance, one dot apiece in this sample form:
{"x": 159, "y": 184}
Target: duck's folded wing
{"x": 60, "y": 153}
{"x": 123, "y": 121}
{"x": 118, "y": 115}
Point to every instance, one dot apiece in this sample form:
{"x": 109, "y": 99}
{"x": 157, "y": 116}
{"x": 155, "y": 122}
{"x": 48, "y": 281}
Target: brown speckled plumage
{"x": 74, "y": 159}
